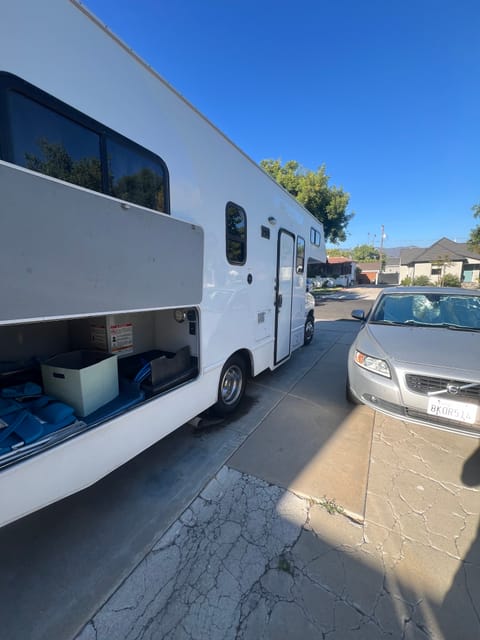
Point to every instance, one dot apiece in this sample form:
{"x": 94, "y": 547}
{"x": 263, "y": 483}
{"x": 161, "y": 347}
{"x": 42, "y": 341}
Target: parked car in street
{"x": 417, "y": 357}
{"x": 320, "y": 283}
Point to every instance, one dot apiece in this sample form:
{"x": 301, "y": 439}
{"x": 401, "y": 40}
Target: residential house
{"x": 441, "y": 258}
{"x": 343, "y": 270}
{"x": 369, "y": 272}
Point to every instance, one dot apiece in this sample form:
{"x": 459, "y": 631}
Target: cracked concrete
{"x": 251, "y": 560}
{"x": 256, "y": 556}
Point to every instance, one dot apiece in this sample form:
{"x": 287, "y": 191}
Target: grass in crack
{"x": 285, "y": 565}
{"x": 331, "y": 506}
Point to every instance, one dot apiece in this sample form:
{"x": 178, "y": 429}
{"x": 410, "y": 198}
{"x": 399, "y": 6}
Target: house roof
{"x": 443, "y": 249}
{"x": 392, "y": 260}
{"x": 368, "y": 266}
{"x": 410, "y": 254}
{"x": 338, "y": 260}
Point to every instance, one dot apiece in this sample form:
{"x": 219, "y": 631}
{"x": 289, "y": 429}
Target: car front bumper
{"x": 392, "y": 397}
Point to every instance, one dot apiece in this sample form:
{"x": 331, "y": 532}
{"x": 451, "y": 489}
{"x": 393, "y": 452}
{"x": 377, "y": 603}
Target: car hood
{"x": 423, "y": 346}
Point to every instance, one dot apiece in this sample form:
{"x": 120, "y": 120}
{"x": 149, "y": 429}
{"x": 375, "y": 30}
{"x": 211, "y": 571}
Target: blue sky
{"x": 385, "y": 93}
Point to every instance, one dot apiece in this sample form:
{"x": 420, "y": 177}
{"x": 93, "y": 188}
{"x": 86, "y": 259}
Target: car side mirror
{"x": 358, "y": 314}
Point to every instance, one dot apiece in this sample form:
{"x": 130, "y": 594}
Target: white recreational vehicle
{"x": 148, "y": 267}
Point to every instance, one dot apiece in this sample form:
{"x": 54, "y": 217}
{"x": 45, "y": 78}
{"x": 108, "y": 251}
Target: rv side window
{"x": 236, "y": 234}
{"x": 46, "y": 135}
{"x": 135, "y": 177}
{"x": 315, "y": 237}
{"x": 47, "y": 142}
{"x": 300, "y": 254}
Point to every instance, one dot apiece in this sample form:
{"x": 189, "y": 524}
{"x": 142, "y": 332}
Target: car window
{"x": 393, "y": 308}
{"x": 433, "y": 309}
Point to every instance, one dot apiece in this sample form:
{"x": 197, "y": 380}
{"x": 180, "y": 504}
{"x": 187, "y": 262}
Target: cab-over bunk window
{"x": 43, "y": 134}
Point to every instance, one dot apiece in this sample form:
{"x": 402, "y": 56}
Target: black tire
{"x": 231, "y": 387}
{"x": 309, "y": 330}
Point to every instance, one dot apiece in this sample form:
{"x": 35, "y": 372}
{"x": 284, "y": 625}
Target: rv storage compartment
{"x": 84, "y": 379}
{"x": 168, "y": 372}
{"x": 158, "y": 371}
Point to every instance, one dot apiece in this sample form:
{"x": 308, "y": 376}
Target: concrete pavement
{"x": 352, "y": 525}
{"x": 63, "y": 562}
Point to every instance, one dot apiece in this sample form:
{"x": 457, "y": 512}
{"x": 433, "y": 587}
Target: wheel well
{"x": 247, "y": 358}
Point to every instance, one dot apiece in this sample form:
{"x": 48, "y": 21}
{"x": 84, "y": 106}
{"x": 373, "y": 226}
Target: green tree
{"x": 365, "y": 253}
{"x": 339, "y": 253}
{"x": 474, "y": 238}
{"x": 450, "y": 280}
{"x": 442, "y": 262}
{"x": 421, "y": 281}
{"x": 327, "y": 203}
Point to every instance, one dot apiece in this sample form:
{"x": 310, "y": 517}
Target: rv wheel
{"x": 231, "y": 386}
{"x": 309, "y": 330}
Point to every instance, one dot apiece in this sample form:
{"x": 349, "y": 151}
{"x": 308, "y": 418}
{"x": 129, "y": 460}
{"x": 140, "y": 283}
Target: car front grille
{"x": 426, "y": 384}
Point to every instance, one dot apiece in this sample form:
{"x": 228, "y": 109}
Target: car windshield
{"x": 429, "y": 309}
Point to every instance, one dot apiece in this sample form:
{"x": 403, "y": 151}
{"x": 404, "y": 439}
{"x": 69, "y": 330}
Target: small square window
{"x": 236, "y": 233}
{"x": 300, "y": 254}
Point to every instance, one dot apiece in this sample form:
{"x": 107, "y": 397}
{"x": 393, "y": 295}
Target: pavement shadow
{"x": 314, "y": 441}
{"x": 466, "y": 583}
{"x": 471, "y": 470}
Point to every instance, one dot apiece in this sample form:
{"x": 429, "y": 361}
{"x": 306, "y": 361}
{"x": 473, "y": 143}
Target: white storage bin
{"x": 85, "y": 380}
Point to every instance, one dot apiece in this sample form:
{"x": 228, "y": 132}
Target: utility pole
{"x": 381, "y": 243}
{"x": 382, "y": 235}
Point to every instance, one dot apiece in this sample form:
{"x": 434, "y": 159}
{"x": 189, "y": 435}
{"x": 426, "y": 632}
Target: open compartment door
{"x": 67, "y": 251}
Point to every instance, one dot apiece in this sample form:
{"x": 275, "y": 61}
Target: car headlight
{"x": 375, "y": 365}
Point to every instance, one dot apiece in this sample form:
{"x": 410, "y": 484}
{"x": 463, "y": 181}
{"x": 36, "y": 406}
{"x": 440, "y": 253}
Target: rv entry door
{"x": 283, "y": 303}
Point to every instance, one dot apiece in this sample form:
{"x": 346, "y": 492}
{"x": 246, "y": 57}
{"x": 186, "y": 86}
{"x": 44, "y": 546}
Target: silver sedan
{"x": 417, "y": 357}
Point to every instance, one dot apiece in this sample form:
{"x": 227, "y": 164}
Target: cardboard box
{"x": 107, "y": 333}
{"x": 85, "y": 380}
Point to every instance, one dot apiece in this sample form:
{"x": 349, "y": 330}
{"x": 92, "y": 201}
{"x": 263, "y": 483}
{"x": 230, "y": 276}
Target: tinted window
{"x": 300, "y": 254}
{"x": 135, "y": 177}
{"x": 44, "y": 134}
{"x": 47, "y": 142}
{"x": 315, "y": 237}
{"x": 236, "y": 234}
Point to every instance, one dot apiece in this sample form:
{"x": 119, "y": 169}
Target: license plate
{"x": 453, "y": 410}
